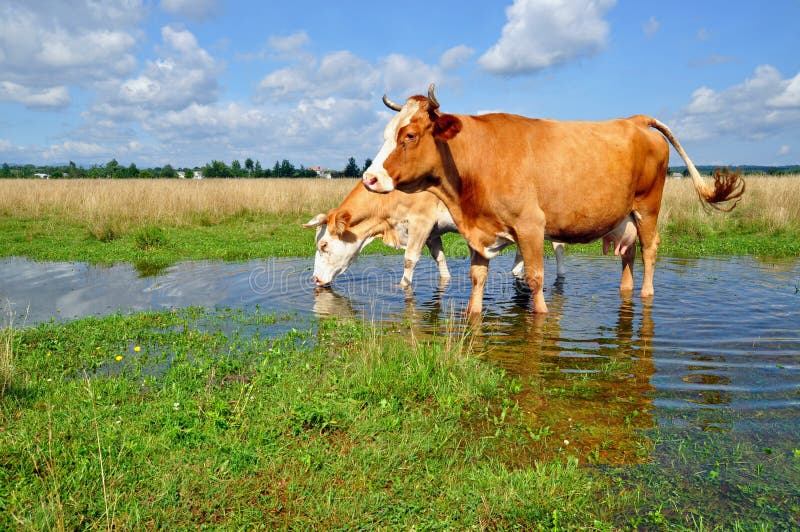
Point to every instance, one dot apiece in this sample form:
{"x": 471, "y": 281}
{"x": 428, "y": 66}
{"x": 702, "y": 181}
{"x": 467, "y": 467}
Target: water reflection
{"x": 720, "y": 340}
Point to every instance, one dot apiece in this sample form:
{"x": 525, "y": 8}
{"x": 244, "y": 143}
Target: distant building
{"x": 321, "y": 172}
{"x": 42, "y": 176}
{"x": 676, "y": 174}
{"x": 196, "y": 174}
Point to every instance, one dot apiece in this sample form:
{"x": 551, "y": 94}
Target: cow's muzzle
{"x": 376, "y": 184}
{"x": 319, "y": 282}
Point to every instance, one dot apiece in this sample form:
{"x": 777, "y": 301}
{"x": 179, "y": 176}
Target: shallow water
{"x": 717, "y": 348}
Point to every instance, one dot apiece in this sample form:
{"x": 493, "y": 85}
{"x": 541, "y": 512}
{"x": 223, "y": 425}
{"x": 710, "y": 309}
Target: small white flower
{"x": 566, "y": 442}
{"x": 176, "y": 406}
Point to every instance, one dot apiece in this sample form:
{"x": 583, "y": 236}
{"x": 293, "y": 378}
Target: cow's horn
{"x": 432, "y": 96}
{"x": 390, "y": 104}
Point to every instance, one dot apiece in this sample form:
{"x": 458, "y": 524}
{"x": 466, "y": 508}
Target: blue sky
{"x": 187, "y": 81}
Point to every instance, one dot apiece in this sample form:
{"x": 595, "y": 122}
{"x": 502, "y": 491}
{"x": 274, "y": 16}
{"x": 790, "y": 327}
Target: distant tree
{"x": 276, "y": 170}
{"x": 236, "y": 168}
{"x": 351, "y": 170}
{"x": 286, "y": 169}
{"x": 367, "y": 164}
{"x": 248, "y": 165}
{"x": 147, "y": 174}
{"x": 112, "y": 168}
{"x": 257, "y": 170}
{"x": 305, "y": 172}
{"x": 74, "y": 172}
{"x": 168, "y": 171}
{"x": 131, "y": 171}
{"x": 5, "y": 171}
{"x": 216, "y": 169}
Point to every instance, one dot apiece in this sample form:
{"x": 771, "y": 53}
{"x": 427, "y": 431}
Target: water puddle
{"x": 717, "y": 349}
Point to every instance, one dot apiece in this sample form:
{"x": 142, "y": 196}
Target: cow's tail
{"x": 727, "y": 187}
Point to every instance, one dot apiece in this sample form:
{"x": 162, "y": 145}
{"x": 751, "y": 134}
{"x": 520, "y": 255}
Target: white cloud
{"x": 49, "y": 44}
{"x": 455, "y": 57}
{"x": 285, "y": 82}
{"x": 405, "y": 76}
{"x": 65, "y": 50}
{"x": 789, "y": 95}
{"x": 194, "y": 9}
{"x": 70, "y": 150}
{"x": 48, "y": 98}
{"x": 339, "y": 73}
{"x": 702, "y": 35}
{"x": 651, "y": 27}
{"x": 757, "y": 108}
{"x": 289, "y": 44}
{"x": 785, "y": 149}
{"x": 704, "y": 100}
{"x": 324, "y": 129}
{"x": 544, "y": 33}
{"x": 184, "y": 74}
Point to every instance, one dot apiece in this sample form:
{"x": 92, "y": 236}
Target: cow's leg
{"x": 410, "y": 260}
{"x": 478, "y": 271}
{"x": 628, "y": 258}
{"x": 649, "y": 239}
{"x": 416, "y": 241}
{"x": 519, "y": 266}
{"x": 531, "y": 245}
{"x": 558, "y": 248}
{"x": 437, "y": 252}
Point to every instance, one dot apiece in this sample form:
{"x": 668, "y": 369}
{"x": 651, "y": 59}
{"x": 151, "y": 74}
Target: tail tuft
{"x": 728, "y": 189}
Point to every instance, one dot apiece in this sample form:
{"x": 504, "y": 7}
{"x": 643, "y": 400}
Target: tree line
{"x": 113, "y": 170}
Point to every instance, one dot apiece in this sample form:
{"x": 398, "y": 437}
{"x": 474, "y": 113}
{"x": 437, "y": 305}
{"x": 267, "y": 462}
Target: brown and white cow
{"x": 507, "y": 178}
{"x": 403, "y": 221}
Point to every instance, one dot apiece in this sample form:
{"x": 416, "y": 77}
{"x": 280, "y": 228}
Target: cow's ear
{"x": 339, "y": 222}
{"x": 316, "y": 221}
{"x": 445, "y": 127}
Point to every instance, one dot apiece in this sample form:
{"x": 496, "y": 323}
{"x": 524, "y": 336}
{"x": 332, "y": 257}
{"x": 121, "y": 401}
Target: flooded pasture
{"x": 715, "y": 352}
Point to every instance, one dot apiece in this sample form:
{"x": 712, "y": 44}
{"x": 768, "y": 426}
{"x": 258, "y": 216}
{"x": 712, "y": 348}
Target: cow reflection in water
{"x": 415, "y": 318}
{"x": 589, "y": 386}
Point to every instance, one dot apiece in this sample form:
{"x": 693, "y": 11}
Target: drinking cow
{"x": 403, "y": 221}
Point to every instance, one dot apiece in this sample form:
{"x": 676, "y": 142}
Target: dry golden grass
{"x": 769, "y": 203}
{"x": 112, "y": 207}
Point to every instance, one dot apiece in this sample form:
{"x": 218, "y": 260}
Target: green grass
{"x": 162, "y": 420}
{"x": 250, "y": 236}
{"x": 199, "y": 417}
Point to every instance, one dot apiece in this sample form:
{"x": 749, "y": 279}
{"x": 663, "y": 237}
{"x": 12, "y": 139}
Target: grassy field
{"x": 203, "y": 418}
{"x": 195, "y": 418}
{"x": 157, "y": 222}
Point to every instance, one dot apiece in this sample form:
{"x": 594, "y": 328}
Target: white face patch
{"x": 376, "y": 170}
{"x": 334, "y": 255}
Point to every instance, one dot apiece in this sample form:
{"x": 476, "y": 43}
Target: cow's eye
{"x": 323, "y": 246}
{"x": 410, "y": 136}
